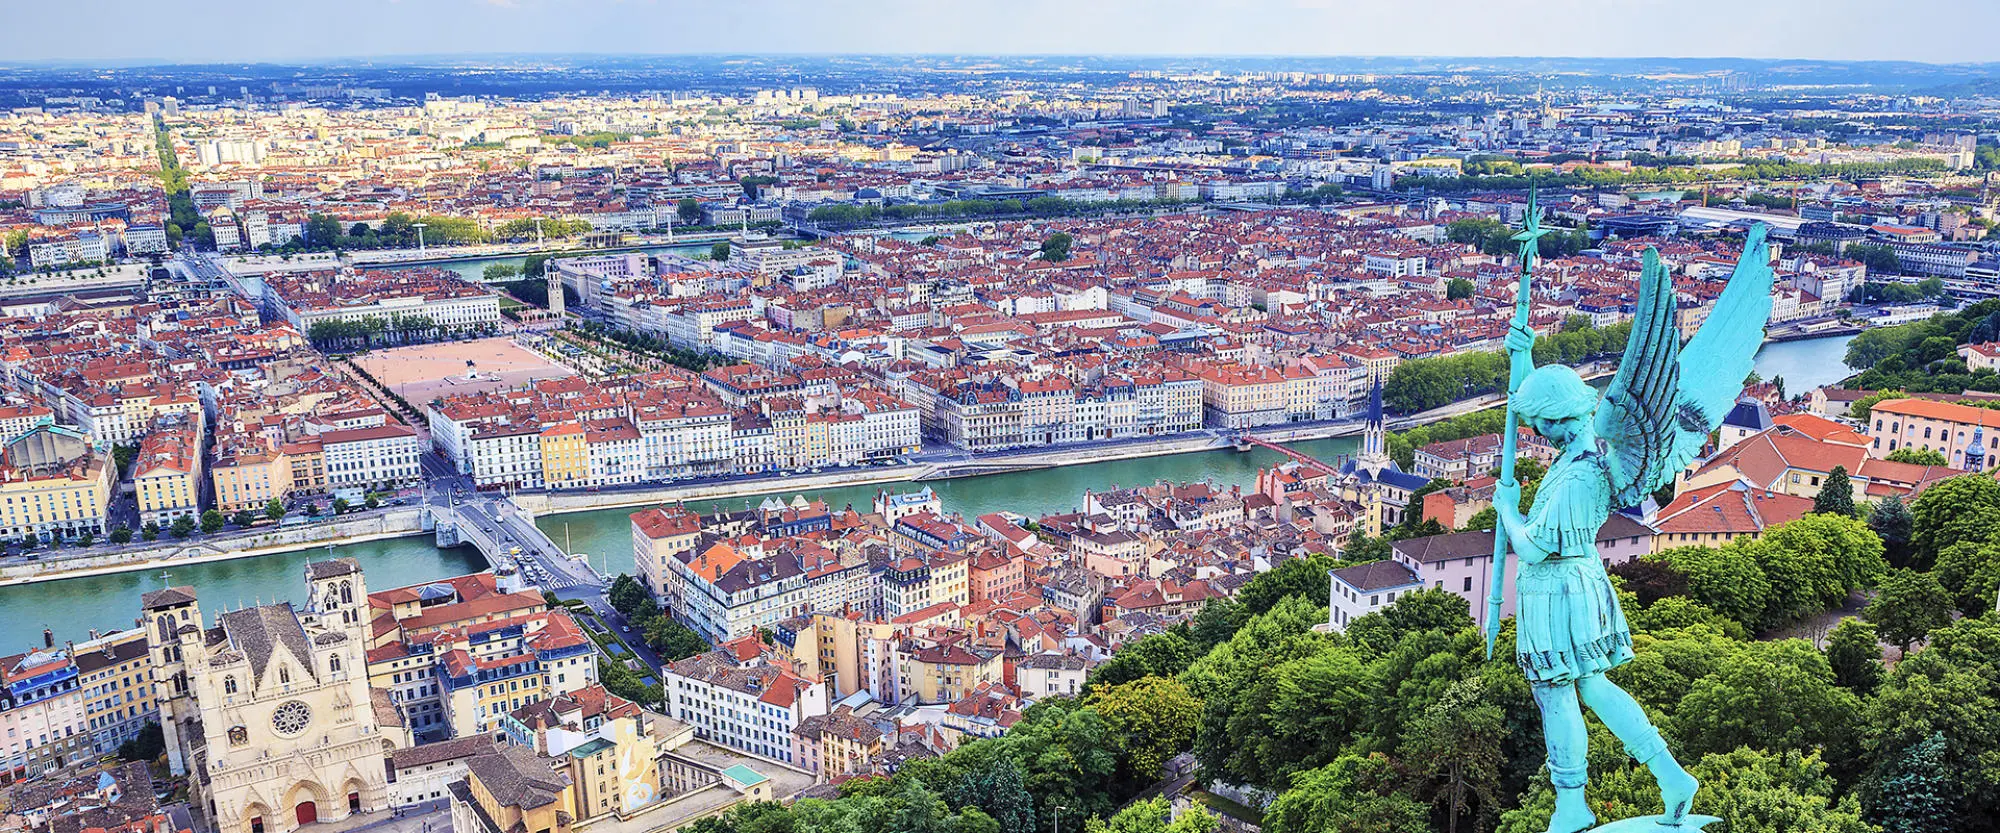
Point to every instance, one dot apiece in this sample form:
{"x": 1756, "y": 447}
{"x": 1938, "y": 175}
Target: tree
{"x": 719, "y": 252}
{"x": 1727, "y": 580}
{"x": 1919, "y": 795}
{"x": 1918, "y": 456}
{"x": 629, "y": 597}
{"x": 688, "y": 210}
{"x": 1055, "y": 247}
{"x": 1908, "y": 606}
{"x": 183, "y": 526}
{"x": 1651, "y": 579}
{"x": 673, "y": 640}
{"x": 498, "y": 272}
{"x": 1777, "y": 695}
{"x": 1354, "y": 793}
{"x": 1891, "y": 521}
{"x": 148, "y": 745}
{"x": 1836, "y": 495}
{"x": 121, "y": 534}
{"x": 1150, "y": 719}
{"x": 1879, "y": 258}
{"x": 371, "y": 501}
{"x": 30, "y": 542}
{"x": 340, "y": 505}
{"x": 1855, "y": 656}
{"x": 275, "y": 509}
{"x": 150, "y": 531}
{"x": 1153, "y": 815}
{"x": 1457, "y": 289}
{"x": 1454, "y": 752}
{"x": 243, "y": 518}
{"x": 1159, "y": 655}
{"x": 1297, "y": 577}
{"x": 1964, "y": 508}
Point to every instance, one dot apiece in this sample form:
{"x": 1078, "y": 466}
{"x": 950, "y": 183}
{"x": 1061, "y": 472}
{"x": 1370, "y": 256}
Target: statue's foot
{"x": 1677, "y": 789}
{"x": 1572, "y": 812}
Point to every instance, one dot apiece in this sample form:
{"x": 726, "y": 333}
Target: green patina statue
{"x": 1615, "y": 451}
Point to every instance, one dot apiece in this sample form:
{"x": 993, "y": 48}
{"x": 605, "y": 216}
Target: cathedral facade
{"x": 270, "y": 710}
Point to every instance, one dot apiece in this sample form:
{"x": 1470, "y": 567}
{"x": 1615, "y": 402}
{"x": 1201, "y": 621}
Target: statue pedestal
{"x": 1653, "y": 824}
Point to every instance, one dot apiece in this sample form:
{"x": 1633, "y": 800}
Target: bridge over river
{"x": 507, "y": 536}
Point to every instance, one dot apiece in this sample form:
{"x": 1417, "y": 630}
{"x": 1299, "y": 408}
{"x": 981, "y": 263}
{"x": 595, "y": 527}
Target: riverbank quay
{"x": 165, "y": 554}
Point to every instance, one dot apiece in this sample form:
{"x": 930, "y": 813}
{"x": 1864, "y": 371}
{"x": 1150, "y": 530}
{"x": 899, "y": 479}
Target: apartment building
{"x": 167, "y": 473}
{"x": 115, "y": 678}
{"x": 42, "y": 709}
{"x": 735, "y": 697}
{"x": 381, "y": 457}
{"x": 1944, "y": 427}
{"x": 53, "y": 484}
{"x": 455, "y": 654}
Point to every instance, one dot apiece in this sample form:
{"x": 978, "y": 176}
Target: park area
{"x": 420, "y": 373}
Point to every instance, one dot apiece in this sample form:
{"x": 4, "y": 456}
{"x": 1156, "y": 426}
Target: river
{"x": 1807, "y": 363}
{"x": 74, "y": 606}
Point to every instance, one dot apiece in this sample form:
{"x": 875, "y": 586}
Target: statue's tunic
{"x": 1569, "y": 624}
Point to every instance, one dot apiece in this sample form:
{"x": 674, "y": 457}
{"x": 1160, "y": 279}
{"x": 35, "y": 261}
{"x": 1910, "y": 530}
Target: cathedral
{"x": 269, "y": 711}
{"x": 1372, "y": 478}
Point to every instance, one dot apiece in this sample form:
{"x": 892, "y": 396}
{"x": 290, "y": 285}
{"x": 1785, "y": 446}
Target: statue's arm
{"x": 1515, "y": 527}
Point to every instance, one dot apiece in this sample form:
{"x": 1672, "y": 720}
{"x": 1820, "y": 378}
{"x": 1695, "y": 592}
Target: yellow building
{"x": 250, "y": 478}
{"x": 166, "y": 471}
{"x": 115, "y": 674}
{"x": 308, "y": 465}
{"x": 658, "y": 535}
{"x": 933, "y": 674}
{"x": 53, "y": 484}
{"x": 603, "y": 741}
{"x": 513, "y": 789}
{"x": 565, "y": 456}
{"x": 848, "y": 652}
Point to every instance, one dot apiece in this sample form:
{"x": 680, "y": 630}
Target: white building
{"x": 742, "y": 702}
{"x": 364, "y": 458}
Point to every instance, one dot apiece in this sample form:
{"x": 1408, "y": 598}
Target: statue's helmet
{"x": 1554, "y": 392}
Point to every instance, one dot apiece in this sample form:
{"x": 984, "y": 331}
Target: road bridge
{"x": 506, "y": 535}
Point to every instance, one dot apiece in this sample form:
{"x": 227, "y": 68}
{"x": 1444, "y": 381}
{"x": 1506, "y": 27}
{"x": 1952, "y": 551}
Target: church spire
{"x": 1374, "y": 439}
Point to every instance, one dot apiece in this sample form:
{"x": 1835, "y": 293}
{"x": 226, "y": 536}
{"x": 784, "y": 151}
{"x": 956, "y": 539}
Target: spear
{"x": 1530, "y": 239}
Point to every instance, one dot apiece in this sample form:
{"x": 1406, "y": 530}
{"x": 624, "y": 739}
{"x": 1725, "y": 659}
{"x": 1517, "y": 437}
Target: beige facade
{"x": 271, "y": 708}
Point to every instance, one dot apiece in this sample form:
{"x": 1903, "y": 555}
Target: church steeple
{"x": 1374, "y": 438}
{"x": 1975, "y": 453}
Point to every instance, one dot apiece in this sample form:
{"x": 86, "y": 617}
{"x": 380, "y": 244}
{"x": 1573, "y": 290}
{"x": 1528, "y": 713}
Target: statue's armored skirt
{"x": 1568, "y": 624}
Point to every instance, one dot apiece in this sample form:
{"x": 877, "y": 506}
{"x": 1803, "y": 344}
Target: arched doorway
{"x": 352, "y": 789}
{"x": 254, "y": 816}
{"x": 305, "y": 799}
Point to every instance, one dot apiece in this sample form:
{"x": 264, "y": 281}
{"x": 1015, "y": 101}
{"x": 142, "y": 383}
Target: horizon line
{"x": 153, "y": 61}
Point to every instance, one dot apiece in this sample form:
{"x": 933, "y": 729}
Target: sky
{"x": 124, "y": 31}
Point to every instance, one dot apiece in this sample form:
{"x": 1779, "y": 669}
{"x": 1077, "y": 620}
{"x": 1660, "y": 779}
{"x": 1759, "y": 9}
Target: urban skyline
{"x": 125, "y": 31}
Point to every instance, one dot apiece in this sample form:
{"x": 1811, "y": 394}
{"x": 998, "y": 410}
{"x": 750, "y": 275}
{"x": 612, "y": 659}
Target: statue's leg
{"x": 1569, "y": 761}
{"x": 1627, "y": 719}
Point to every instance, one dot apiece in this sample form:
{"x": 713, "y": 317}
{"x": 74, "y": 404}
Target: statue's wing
{"x": 1667, "y": 398}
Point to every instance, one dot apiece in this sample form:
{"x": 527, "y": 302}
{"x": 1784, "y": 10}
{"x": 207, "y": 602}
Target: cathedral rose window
{"x": 291, "y": 718}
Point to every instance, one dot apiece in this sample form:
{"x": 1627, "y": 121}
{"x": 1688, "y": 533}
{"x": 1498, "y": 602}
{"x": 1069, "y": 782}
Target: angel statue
{"x": 1615, "y": 451}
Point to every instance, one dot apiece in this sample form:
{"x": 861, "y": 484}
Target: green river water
{"x": 72, "y": 607}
